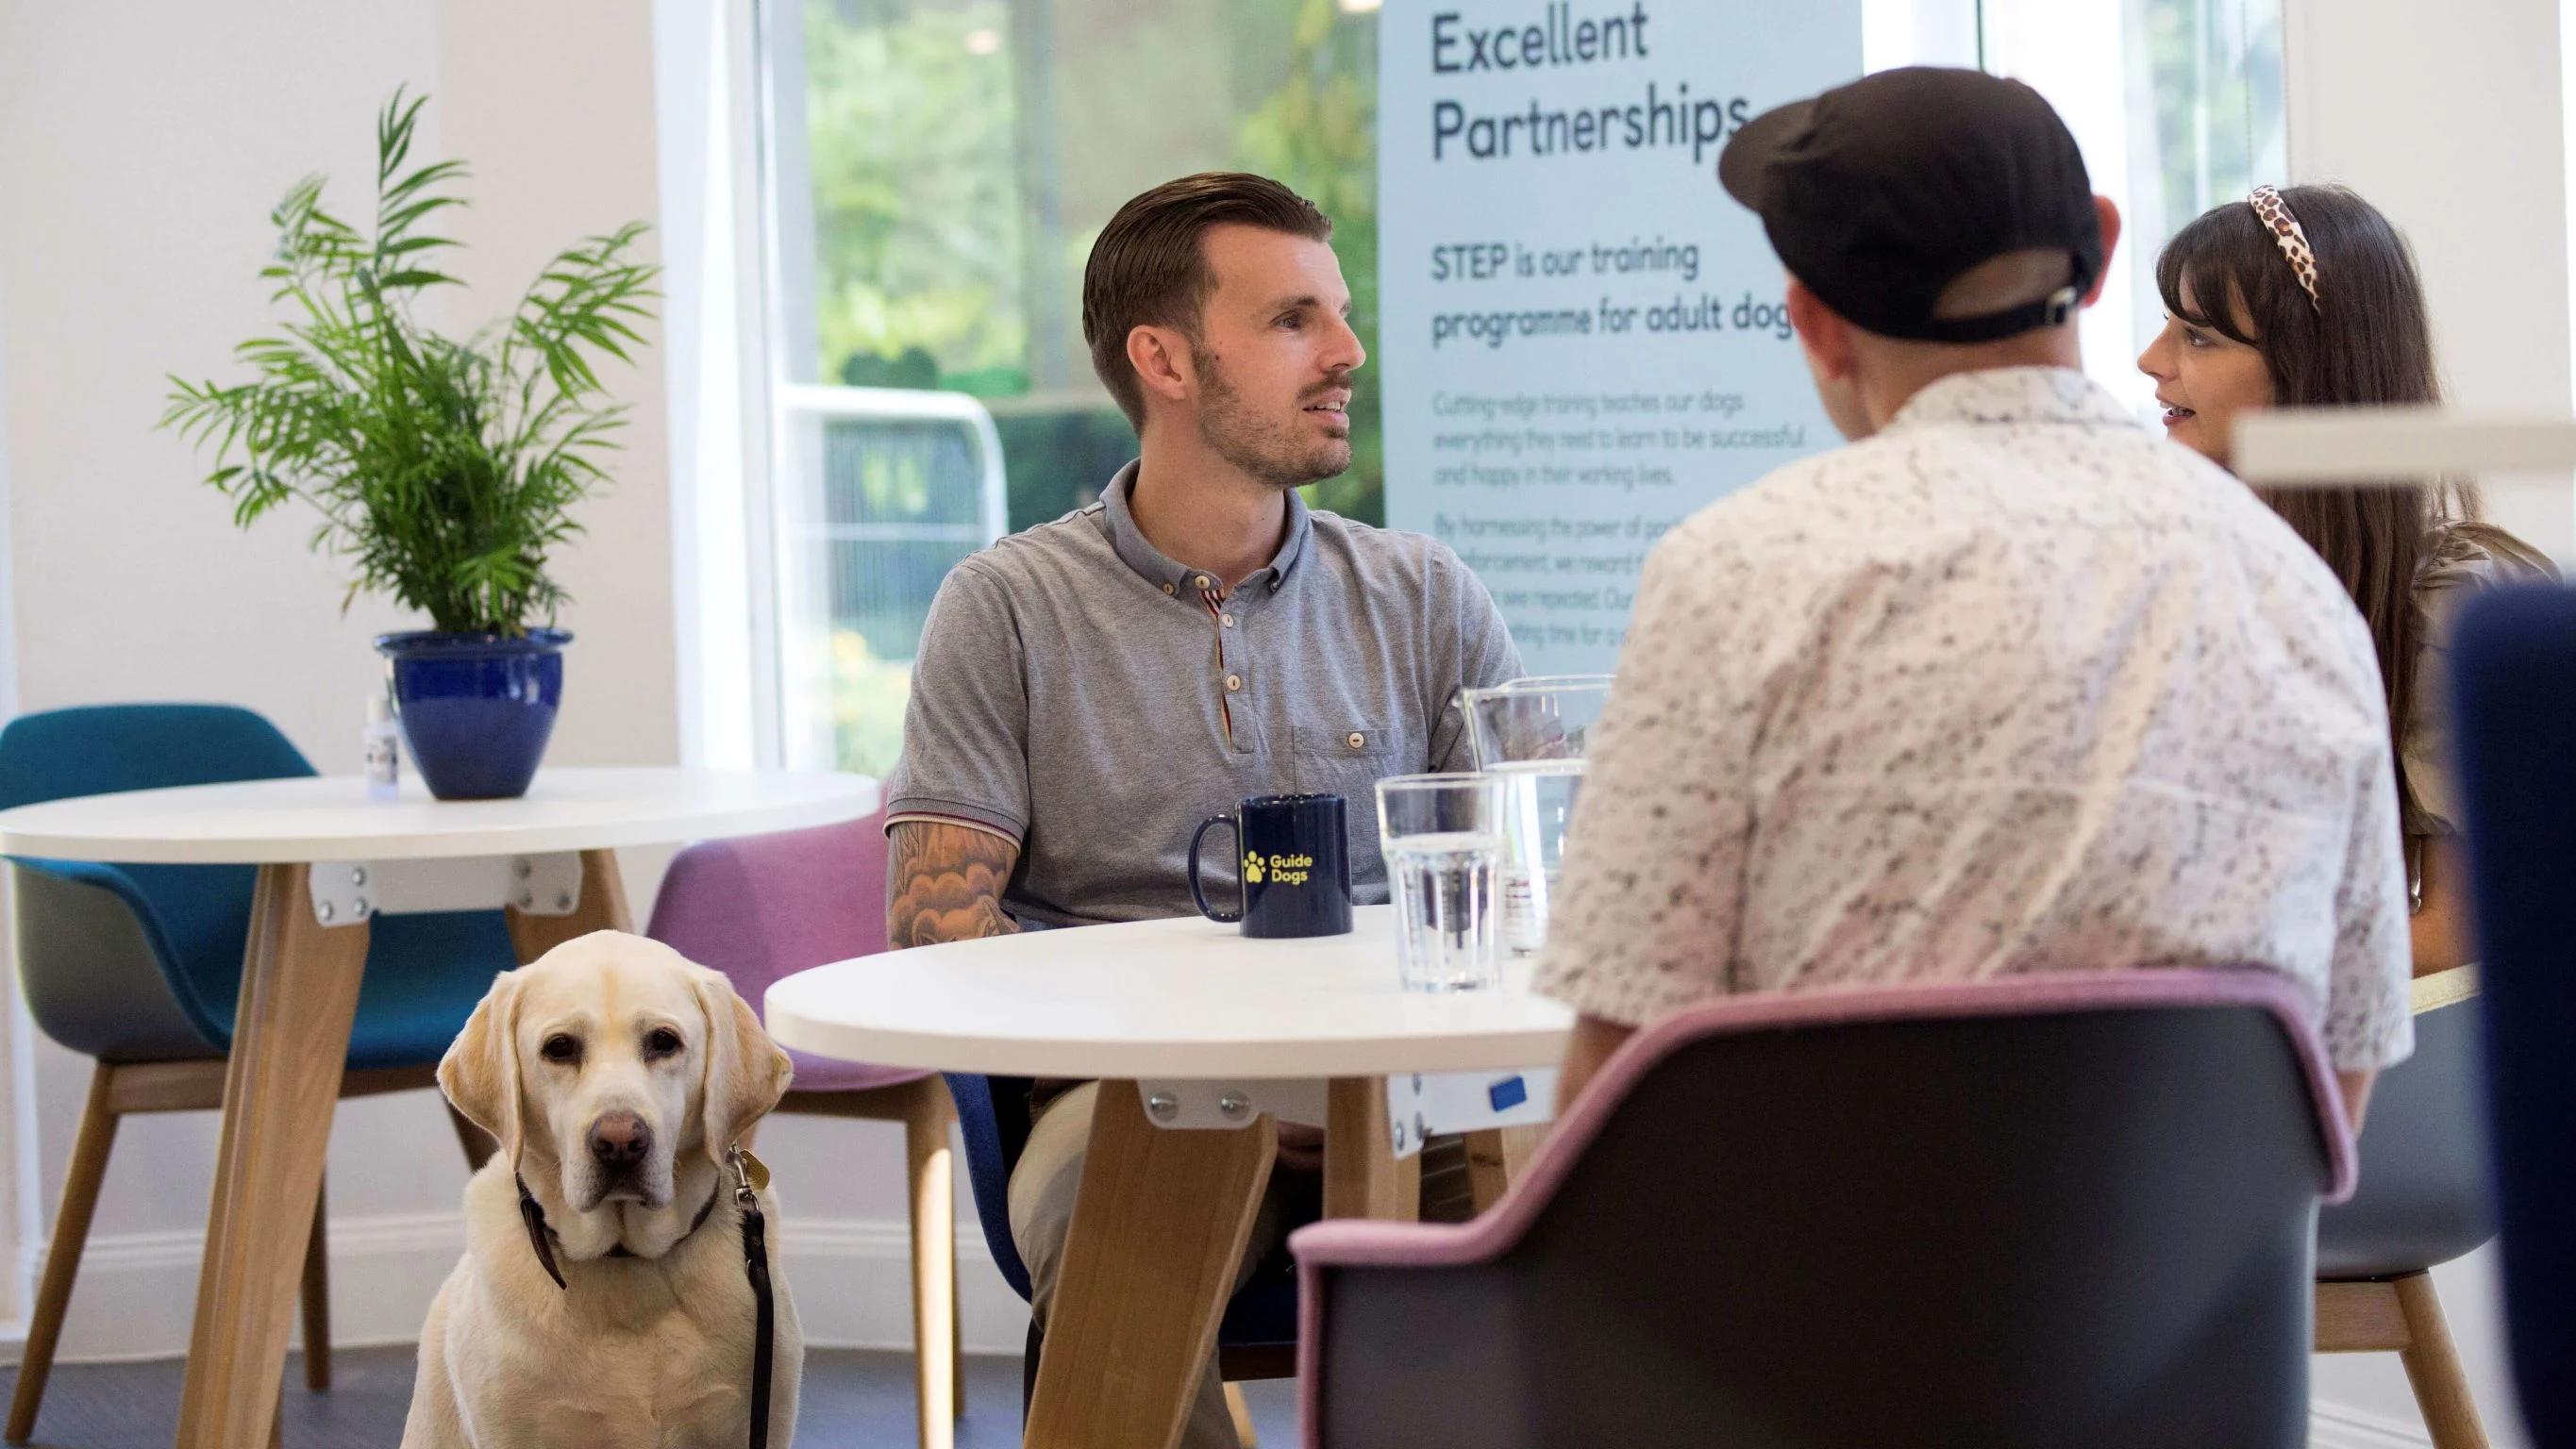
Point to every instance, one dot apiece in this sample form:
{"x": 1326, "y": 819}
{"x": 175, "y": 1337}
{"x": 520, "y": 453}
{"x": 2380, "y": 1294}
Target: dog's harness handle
{"x": 750, "y": 1175}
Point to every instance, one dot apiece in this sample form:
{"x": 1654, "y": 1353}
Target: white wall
{"x": 141, "y": 147}
{"x": 2450, "y": 118}
{"x": 140, "y": 159}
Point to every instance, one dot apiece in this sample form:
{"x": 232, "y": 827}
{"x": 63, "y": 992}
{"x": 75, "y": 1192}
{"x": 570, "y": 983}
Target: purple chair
{"x": 768, "y": 906}
{"x": 2035, "y": 1211}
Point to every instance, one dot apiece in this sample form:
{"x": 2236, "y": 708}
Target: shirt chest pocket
{"x": 1348, "y": 758}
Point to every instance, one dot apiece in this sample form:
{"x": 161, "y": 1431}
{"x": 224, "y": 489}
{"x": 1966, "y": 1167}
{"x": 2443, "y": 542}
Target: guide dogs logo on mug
{"x": 1296, "y": 866}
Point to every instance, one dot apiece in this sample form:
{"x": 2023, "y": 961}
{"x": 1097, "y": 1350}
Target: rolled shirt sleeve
{"x": 965, "y": 728}
{"x": 1646, "y": 911}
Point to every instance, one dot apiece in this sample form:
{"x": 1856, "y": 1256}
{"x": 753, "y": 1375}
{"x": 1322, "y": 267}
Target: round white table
{"x": 1186, "y": 997}
{"x": 329, "y": 858}
{"x": 1163, "y": 1212}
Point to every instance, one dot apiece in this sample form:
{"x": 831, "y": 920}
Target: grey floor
{"x": 852, "y": 1400}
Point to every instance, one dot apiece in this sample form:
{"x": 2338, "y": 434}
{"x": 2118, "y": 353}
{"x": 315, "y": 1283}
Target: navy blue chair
{"x": 139, "y": 967}
{"x": 1257, "y": 1338}
{"x": 2423, "y": 1202}
{"x": 2514, "y": 695}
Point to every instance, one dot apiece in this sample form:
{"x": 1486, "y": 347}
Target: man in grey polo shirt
{"x": 1090, "y": 690}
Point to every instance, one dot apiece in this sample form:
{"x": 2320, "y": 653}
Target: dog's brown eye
{"x": 560, "y": 1048}
{"x": 663, "y": 1042}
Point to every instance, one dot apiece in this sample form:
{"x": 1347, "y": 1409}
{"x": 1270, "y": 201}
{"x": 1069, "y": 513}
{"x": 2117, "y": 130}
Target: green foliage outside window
{"x": 909, "y": 119}
{"x": 1318, "y": 134}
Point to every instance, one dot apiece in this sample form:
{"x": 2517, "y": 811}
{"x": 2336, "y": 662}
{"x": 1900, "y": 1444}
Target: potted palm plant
{"x": 446, "y": 471}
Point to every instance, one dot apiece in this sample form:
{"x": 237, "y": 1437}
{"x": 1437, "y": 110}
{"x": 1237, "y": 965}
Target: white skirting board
{"x": 852, "y": 1278}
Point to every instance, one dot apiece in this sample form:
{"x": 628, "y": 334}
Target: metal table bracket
{"x": 1202, "y": 1105}
{"x": 345, "y": 892}
{"x": 1418, "y": 1104}
{"x": 1427, "y": 1104}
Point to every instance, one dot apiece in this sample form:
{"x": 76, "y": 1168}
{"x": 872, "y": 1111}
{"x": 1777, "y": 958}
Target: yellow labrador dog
{"x": 614, "y": 1075}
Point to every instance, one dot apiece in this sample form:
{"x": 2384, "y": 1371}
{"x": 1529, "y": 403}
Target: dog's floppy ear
{"x": 746, "y": 1071}
{"x": 480, "y": 1072}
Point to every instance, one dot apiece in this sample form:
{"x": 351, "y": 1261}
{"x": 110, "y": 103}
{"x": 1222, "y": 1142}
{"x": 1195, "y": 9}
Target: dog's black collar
{"x": 749, "y": 1176}
{"x": 541, "y": 1235}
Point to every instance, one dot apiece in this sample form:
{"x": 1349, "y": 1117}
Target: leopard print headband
{"x": 2290, "y": 236}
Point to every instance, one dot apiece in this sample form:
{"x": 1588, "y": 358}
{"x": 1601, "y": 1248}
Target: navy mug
{"x": 1295, "y": 865}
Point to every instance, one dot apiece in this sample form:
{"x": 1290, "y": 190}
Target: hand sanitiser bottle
{"x": 383, "y": 750}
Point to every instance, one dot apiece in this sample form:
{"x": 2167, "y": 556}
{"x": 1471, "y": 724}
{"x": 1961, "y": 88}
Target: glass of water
{"x": 1442, "y": 836}
{"x": 1534, "y": 733}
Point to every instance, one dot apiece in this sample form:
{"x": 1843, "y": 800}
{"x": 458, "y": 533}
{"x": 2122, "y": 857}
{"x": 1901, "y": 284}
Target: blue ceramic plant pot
{"x": 476, "y": 709}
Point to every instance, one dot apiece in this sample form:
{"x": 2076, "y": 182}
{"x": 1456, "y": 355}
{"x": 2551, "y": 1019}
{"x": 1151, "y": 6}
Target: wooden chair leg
{"x": 2433, "y": 1367}
{"x": 317, "y": 1298}
{"x": 931, "y": 1169}
{"x": 81, "y": 1181}
{"x": 956, "y": 1340}
{"x": 1244, "y": 1432}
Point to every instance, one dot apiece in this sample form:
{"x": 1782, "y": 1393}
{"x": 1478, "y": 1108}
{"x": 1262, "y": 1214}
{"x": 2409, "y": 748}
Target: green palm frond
{"x": 446, "y": 472}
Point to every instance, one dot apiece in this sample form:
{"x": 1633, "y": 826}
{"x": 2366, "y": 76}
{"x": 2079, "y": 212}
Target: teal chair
{"x": 139, "y": 968}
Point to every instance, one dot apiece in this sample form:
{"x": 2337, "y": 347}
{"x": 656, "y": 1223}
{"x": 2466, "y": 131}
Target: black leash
{"x": 750, "y": 1176}
{"x": 755, "y": 1266}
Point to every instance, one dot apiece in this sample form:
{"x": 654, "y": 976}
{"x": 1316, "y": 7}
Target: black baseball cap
{"x": 1879, "y": 193}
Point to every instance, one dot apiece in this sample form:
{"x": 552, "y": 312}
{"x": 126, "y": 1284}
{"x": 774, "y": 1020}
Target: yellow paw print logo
{"x": 1251, "y": 868}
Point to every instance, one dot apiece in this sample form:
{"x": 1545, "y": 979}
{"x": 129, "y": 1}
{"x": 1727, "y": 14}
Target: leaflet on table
{"x": 1584, "y": 339}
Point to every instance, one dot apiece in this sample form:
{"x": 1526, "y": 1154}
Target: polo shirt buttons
{"x": 1358, "y": 740}
{"x": 1200, "y": 582}
{"x": 1167, "y": 588}
{"x": 1226, "y": 619}
{"x": 1233, "y": 683}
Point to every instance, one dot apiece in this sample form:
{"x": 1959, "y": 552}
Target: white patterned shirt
{"x": 2011, "y": 686}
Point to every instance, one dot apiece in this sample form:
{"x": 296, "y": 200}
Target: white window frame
{"x": 718, "y": 292}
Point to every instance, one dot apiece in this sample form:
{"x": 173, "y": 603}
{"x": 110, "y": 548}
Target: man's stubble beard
{"x": 1264, "y": 449}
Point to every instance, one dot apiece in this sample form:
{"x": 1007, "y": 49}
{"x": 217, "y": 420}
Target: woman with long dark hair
{"x": 2308, "y": 297}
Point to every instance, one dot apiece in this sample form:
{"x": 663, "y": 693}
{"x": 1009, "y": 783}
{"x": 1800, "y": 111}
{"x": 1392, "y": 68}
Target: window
{"x": 2177, "y": 104}
{"x": 936, "y": 171}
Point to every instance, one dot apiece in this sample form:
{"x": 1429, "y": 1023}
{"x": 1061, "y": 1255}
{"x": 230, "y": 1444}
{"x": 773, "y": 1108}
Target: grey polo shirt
{"x": 1069, "y": 694}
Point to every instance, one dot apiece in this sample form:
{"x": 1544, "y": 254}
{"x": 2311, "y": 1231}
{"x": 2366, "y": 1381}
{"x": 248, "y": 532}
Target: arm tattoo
{"x": 945, "y": 883}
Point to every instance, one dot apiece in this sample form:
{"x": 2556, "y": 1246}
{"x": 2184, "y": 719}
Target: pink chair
{"x": 2036, "y": 1211}
{"x": 768, "y": 906}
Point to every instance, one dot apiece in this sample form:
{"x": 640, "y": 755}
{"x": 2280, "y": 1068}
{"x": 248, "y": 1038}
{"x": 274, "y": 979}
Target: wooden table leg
{"x": 1363, "y": 1178}
{"x": 602, "y": 907}
{"x": 1158, "y": 1226}
{"x": 1495, "y": 1158}
{"x": 299, "y": 993}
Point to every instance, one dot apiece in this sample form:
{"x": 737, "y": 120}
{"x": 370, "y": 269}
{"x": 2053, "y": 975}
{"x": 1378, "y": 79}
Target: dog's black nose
{"x": 620, "y": 1140}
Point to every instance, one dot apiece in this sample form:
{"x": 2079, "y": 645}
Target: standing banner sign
{"x": 1584, "y": 337}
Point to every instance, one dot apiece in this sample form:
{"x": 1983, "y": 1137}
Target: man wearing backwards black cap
{"x": 2008, "y": 684}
